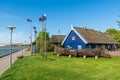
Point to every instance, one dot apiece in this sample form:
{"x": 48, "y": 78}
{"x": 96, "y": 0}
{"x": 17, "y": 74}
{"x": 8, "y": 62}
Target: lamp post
{"x": 11, "y": 30}
{"x": 35, "y": 32}
{"x": 43, "y": 19}
{"x": 29, "y": 20}
{"x": 59, "y": 37}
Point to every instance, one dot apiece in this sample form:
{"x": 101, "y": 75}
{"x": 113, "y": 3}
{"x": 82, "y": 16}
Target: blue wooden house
{"x": 83, "y": 38}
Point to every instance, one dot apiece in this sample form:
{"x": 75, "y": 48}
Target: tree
{"x": 115, "y": 34}
{"x": 41, "y": 36}
{"x": 41, "y": 42}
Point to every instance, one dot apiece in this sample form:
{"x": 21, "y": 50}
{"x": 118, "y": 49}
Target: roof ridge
{"x": 89, "y": 29}
{"x": 58, "y": 35}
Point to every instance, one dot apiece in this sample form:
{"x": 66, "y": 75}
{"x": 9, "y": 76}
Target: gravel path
{"x": 4, "y": 61}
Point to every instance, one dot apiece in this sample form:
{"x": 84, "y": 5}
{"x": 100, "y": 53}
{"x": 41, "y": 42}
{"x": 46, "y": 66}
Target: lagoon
{"x": 5, "y": 50}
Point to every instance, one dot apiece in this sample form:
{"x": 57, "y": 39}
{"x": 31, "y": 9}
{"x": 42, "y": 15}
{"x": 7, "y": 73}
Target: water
{"x": 6, "y": 49}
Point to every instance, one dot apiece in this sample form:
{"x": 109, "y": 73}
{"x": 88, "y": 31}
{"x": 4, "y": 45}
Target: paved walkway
{"x": 4, "y": 61}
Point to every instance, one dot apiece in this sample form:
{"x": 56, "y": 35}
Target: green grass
{"x": 64, "y": 68}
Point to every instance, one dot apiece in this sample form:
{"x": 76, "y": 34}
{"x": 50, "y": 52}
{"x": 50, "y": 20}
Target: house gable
{"x": 74, "y": 41}
{"x": 78, "y": 34}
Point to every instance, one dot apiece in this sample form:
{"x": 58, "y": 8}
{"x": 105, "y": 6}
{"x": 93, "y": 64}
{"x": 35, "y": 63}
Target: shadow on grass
{"x": 51, "y": 59}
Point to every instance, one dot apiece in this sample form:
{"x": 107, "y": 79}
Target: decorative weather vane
{"x": 43, "y": 19}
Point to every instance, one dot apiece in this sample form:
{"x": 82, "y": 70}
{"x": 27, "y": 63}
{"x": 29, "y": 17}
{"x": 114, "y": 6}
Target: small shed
{"x": 34, "y": 46}
{"x": 83, "y": 38}
{"x": 57, "y": 39}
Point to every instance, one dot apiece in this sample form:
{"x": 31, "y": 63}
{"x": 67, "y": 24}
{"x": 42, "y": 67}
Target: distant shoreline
{"x": 19, "y": 44}
{"x": 2, "y": 45}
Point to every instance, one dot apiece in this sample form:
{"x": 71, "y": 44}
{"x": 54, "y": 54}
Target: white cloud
{"x": 4, "y": 38}
{"x": 9, "y": 16}
{"x": 18, "y": 37}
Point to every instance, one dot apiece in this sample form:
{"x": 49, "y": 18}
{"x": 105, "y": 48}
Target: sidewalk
{"x": 4, "y": 61}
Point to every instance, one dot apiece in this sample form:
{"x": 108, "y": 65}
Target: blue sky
{"x": 94, "y": 14}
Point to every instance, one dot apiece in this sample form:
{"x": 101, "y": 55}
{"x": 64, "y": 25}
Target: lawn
{"x": 63, "y": 68}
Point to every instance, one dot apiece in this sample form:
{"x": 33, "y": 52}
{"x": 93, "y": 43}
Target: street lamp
{"x": 59, "y": 38}
{"x": 29, "y": 20}
{"x": 11, "y": 30}
{"x": 35, "y": 32}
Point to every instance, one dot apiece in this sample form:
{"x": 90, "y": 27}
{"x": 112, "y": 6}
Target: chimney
{"x": 84, "y": 28}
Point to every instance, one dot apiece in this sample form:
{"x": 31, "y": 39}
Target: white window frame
{"x": 73, "y": 37}
{"x": 79, "y": 46}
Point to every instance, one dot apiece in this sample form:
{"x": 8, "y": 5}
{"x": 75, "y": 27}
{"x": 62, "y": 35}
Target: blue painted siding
{"x": 74, "y": 43}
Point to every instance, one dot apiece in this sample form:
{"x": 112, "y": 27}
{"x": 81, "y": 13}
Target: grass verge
{"x": 63, "y": 68}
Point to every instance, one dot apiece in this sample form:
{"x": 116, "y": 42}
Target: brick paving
{"x": 4, "y": 61}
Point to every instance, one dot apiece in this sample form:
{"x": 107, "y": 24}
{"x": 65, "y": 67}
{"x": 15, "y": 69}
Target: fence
{"x": 113, "y": 53}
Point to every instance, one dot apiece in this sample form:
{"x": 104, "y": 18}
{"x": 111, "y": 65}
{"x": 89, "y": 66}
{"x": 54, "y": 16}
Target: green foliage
{"x": 42, "y": 36}
{"x": 41, "y": 41}
{"x": 50, "y": 47}
{"x": 63, "y": 68}
{"x": 115, "y": 34}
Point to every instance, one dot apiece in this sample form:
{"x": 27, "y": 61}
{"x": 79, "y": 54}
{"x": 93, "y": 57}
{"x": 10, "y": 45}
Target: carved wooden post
{"x": 96, "y": 57}
{"x": 69, "y": 56}
{"x": 84, "y": 56}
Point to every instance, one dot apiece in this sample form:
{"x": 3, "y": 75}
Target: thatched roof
{"x": 57, "y": 39}
{"x": 92, "y": 37}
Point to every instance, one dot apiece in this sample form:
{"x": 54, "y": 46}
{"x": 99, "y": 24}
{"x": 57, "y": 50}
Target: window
{"x": 96, "y": 46}
{"x": 79, "y": 47}
{"x": 73, "y": 37}
{"x": 89, "y": 46}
